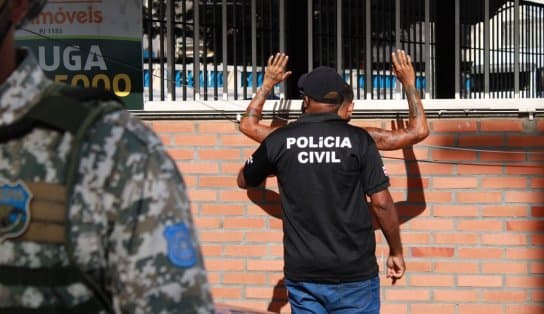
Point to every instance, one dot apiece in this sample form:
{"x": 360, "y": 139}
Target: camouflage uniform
{"x": 127, "y": 193}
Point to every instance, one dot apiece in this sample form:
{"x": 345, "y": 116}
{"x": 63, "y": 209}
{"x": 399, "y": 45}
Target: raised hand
{"x": 275, "y": 70}
{"x": 403, "y": 68}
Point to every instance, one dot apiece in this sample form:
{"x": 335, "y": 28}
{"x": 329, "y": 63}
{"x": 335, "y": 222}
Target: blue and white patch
{"x": 14, "y": 210}
{"x": 181, "y": 251}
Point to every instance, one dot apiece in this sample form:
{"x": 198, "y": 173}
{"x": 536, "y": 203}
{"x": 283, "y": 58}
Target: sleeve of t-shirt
{"x": 374, "y": 174}
{"x": 257, "y": 167}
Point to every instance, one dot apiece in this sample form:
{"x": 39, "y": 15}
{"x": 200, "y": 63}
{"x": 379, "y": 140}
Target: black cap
{"x": 323, "y": 84}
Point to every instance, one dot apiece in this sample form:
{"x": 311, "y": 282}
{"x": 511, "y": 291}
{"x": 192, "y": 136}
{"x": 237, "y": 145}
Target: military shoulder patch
{"x": 181, "y": 251}
{"x": 14, "y": 210}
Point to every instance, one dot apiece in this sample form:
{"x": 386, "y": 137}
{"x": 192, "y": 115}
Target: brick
{"x": 221, "y": 236}
{"x": 511, "y": 182}
{"x": 226, "y": 292}
{"x": 428, "y": 280}
{"x": 415, "y": 238}
{"x": 453, "y": 126}
{"x": 480, "y": 308}
{"x": 217, "y": 127}
{"x": 479, "y": 281}
{"x": 524, "y": 197}
{"x": 479, "y": 197}
{"x": 418, "y": 266}
{"x": 505, "y": 211}
{"x": 195, "y": 140}
{"x": 537, "y": 183}
{"x": 237, "y": 195}
{"x": 537, "y": 239}
{"x": 455, "y": 211}
{"x": 207, "y": 223}
{"x": 480, "y": 225}
{"x": 217, "y": 182}
{"x": 525, "y": 309}
{"x": 223, "y": 264}
{"x": 535, "y": 170}
{"x": 221, "y": 154}
{"x": 432, "y": 169}
{"x": 456, "y": 295}
{"x": 230, "y": 168}
{"x": 238, "y": 141}
{"x": 454, "y": 183}
{"x": 507, "y": 296}
{"x": 525, "y": 253}
{"x": 407, "y": 295}
{"x": 525, "y": 225}
{"x": 222, "y": 209}
{"x": 501, "y": 125}
{"x": 435, "y": 224}
{"x": 181, "y": 154}
{"x": 394, "y": 308}
{"x": 266, "y": 237}
{"x": 265, "y": 265}
{"x": 438, "y": 196}
{"x": 531, "y": 282}
{"x": 496, "y": 157}
{"x": 504, "y": 239}
{"x": 258, "y": 292}
{"x": 504, "y": 268}
{"x": 524, "y": 141}
{"x": 245, "y": 250}
{"x": 431, "y": 252}
{"x": 478, "y": 169}
{"x": 537, "y": 211}
{"x": 211, "y": 250}
{"x": 453, "y": 155}
{"x": 172, "y": 127}
{"x": 250, "y": 278}
{"x": 243, "y": 223}
{"x": 480, "y": 253}
{"x": 456, "y": 267}
{"x": 432, "y": 308}
{"x": 202, "y": 195}
{"x": 456, "y": 238}
{"x": 479, "y": 141}
{"x": 195, "y": 167}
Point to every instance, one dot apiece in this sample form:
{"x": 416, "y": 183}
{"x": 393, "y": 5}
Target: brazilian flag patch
{"x": 14, "y": 210}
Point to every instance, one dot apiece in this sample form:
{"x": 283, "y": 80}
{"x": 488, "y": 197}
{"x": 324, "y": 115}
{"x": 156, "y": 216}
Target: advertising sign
{"x": 93, "y": 43}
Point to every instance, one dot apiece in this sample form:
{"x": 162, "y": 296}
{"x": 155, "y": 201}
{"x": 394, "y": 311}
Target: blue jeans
{"x": 361, "y": 297}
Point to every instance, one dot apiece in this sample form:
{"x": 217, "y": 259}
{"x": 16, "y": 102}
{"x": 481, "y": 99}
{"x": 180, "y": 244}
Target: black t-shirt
{"x": 324, "y": 168}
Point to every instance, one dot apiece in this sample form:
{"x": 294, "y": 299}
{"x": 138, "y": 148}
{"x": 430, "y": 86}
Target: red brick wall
{"x": 473, "y": 234}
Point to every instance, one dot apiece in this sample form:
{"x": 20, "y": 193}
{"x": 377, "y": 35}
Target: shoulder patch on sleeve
{"x": 181, "y": 251}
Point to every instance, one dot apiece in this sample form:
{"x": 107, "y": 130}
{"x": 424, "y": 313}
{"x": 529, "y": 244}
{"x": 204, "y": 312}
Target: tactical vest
{"x": 63, "y": 109}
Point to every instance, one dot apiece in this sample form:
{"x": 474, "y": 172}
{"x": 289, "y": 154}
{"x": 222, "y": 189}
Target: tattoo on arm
{"x": 413, "y": 99}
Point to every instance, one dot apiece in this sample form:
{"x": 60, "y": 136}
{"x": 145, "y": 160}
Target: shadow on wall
{"x": 408, "y": 209}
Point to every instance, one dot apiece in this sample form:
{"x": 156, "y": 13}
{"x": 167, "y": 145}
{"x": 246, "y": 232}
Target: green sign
{"x": 90, "y": 44}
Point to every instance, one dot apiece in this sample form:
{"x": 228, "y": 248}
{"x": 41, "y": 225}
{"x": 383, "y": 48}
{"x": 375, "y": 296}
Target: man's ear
{"x": 19, "y": 8}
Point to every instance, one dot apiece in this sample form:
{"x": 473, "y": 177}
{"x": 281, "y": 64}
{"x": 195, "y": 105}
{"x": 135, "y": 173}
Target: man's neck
{"x": 8, "y": 57}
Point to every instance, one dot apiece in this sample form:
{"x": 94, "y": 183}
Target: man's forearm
{"x": 249, "y": 123}
{"x": 389, "y": 223}
{"x": 417, "y": 120}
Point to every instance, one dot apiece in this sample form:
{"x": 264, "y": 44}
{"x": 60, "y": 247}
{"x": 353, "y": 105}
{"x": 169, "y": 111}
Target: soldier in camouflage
{"x": 125, "y": 242}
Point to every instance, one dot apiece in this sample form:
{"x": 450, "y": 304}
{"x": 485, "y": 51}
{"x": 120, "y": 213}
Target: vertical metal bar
{"x": 368, "y": 61}
{"x": 427, "y": 52}
{"x": 243, "y": 81}
{"x": 150, "y": 47}
{"x": 161, "y": 46}
{"x": 205, "y": 49}
{"x": 457, "y": 48}
{"x": 486, "y": 49}
{"x": 282, "y": 39}
{"x": 339, "y": 36}
{"x": 254, "y": 46}
{"x": 234, "y": 44}
{"x": 225, "y": 49}
{"x": 310, "y": 35}
{"x": 398, "y": 91}
{"x": 214, "y": 31}
{"x": 358, "y": 47}
{"x": 184, "y": 50}
{"x": 170, "y": 57}
{"x": 196, "y": 49}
